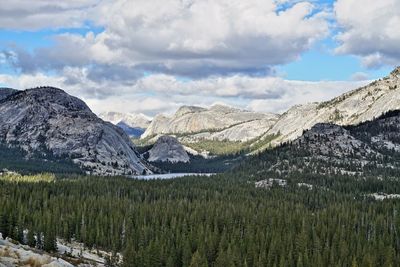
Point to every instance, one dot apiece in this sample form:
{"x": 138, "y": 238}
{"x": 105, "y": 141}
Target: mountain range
{"x": 222, "y": 123}
{"x": 49, "y": 122}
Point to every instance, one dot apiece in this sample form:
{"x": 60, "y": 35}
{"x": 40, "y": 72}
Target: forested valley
{"x": 221, "y": 220}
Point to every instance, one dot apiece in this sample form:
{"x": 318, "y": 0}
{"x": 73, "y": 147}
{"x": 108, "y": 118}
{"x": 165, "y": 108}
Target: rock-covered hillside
{"x": 168, "y": 149}
{"x": 49, "y": 121}
{"x": 218, "y": 122}
{"x": 372, "y": 147}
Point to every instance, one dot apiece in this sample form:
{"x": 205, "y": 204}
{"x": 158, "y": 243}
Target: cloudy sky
{"x": 152, "y": 56}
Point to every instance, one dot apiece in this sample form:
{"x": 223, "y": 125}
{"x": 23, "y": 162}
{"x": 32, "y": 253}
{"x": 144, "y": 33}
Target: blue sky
{"x": 251, "y": 54}
{"x": 320, "y": 63}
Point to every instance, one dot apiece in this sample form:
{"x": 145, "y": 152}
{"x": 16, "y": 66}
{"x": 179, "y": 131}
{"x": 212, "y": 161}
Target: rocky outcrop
{"x": 49, "y": 121}
{"x": 12, "y": 254}
{"x": 159, "y": 126}
{"x": 168, "y": 149}
{"x": 243, "y": 132}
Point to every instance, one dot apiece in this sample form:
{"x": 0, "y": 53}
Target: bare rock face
{"x": 216, "y": 122}
{"x": 242, "y": 132}
{"x": 168, "y": 148}
{"x": 48, "y": 120}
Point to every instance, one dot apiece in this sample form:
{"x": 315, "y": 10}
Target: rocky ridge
{"x": 218, "y": 122}
{"x": 356, "y": 106}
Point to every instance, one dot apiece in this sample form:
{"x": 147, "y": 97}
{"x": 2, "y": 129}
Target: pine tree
{"x": 186, "y": 253}
{"x": 4, "y": 226}
{"x": 50, "y": 242}
{"x": 198, "y": 260}
{"x": 129, "y": 255}
{"x": 31, "y": 238}
{"x": 223, "y": 260}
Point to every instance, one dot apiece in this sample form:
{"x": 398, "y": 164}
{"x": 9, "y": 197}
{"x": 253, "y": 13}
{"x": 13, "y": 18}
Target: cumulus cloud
{"x": 301, "y": 92}
{"x": 370, "y": 30}
{"x": 149, "y": 94}
{"x": 192, "y": 38}
{"x": 192, "y": 52}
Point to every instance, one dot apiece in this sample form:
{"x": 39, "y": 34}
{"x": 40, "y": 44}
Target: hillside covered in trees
{"x": 371, "y": 148}
{"x": 210, "y": 221}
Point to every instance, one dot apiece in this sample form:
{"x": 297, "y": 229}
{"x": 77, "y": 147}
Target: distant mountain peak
{"x": 193, "y": 119}
{"x": 183, "y": 110}
{"x": 133, "y": 120}
{"x": 223, "y": 108}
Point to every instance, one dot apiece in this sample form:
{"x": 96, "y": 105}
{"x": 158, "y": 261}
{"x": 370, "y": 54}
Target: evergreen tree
{"x": 31, "y": 239}
{"x": 198, "y": 260}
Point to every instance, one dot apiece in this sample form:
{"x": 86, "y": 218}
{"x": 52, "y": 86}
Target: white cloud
{"x": 39, "y": 14}
{"x": 302, "y": 92}
{"x": 194, "y": 38}
{"x": 228, "y": 47}
{"x": 370, "y": 30}
{"x": 26, "y": 81}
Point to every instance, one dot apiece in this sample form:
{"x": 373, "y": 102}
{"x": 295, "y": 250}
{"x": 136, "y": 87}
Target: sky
{"x": 152, "y": 56}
